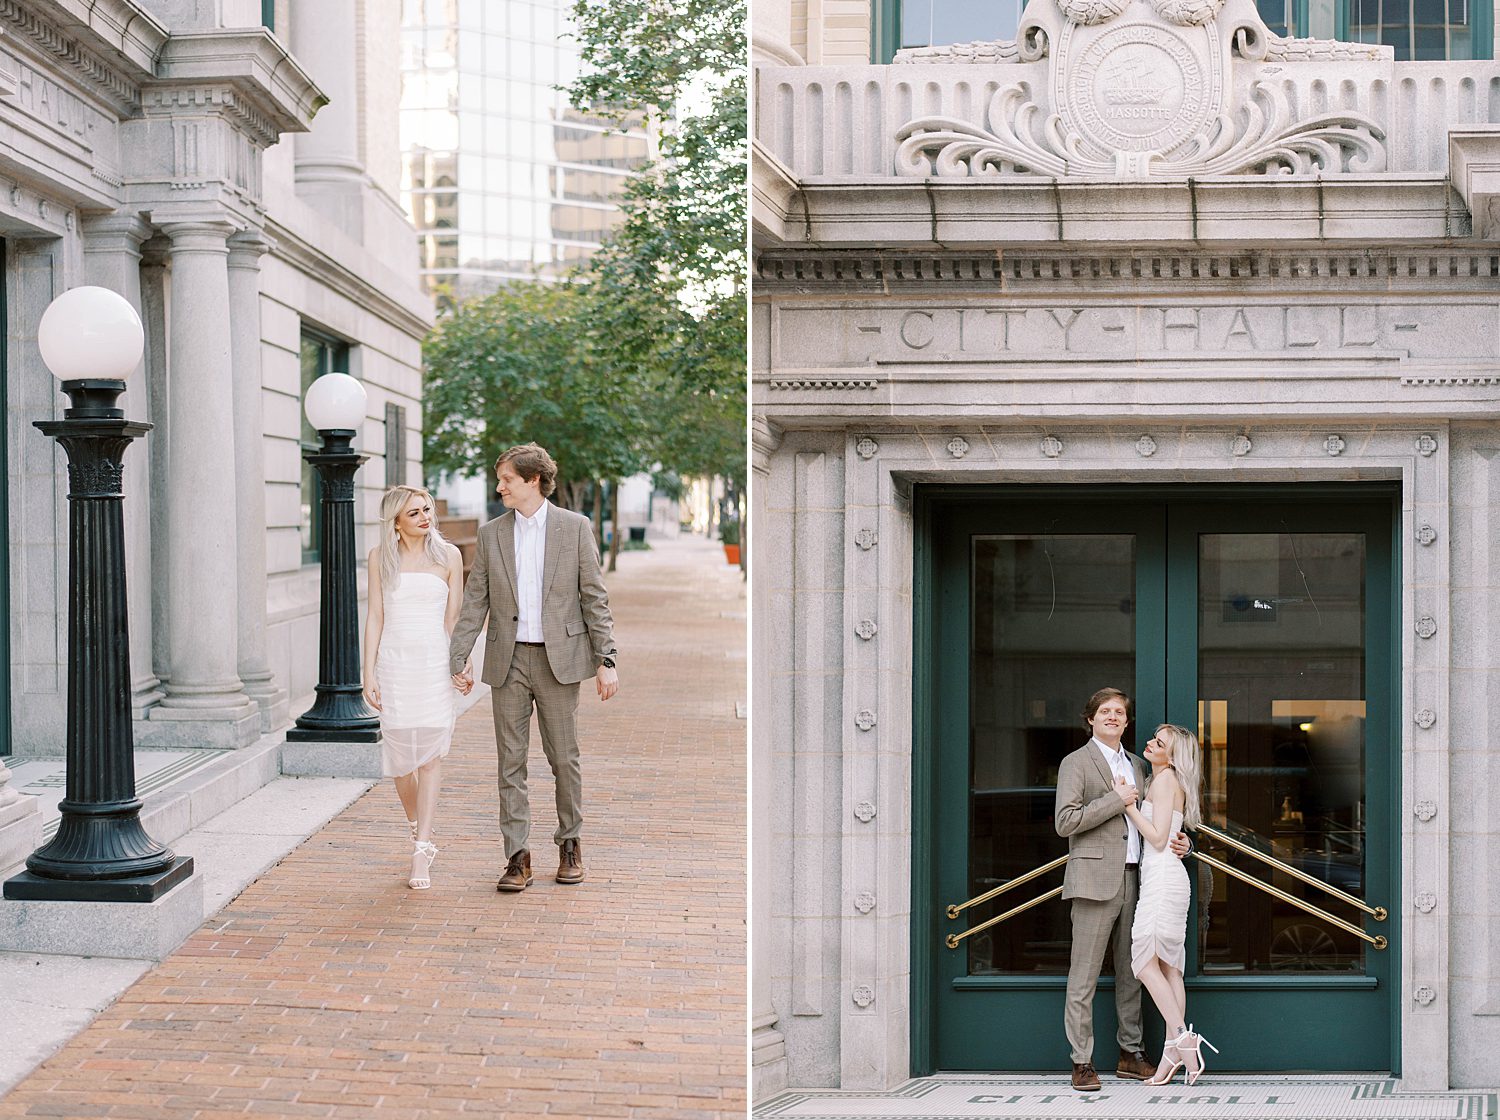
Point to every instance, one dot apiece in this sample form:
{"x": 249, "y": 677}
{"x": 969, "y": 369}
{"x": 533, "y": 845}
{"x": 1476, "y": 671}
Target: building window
{"x": 1418, "y": 29}
{"x": 268, "y": 14}
{"x": 395, "y": 445}
{"x": 320, "y": 354}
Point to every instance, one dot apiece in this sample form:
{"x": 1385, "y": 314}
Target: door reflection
{"x": 1281, "y": 715}
{"x": 1054, "y": 618}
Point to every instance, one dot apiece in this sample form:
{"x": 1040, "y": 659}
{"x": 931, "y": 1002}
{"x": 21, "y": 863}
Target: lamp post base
{"x": 27, "y": 887}
{"x": 333, "y": 734}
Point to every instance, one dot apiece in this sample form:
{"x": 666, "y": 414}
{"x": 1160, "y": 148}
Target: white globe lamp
{"x": 88, "y": 333}
{"x": 335, "y": 402}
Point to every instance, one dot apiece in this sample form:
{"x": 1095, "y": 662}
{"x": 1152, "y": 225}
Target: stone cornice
{"x": 272, "y": 93}
{"x": 296, "y": 251}
{"x": 773, "y": 194}
{"x": 122, "y": 54}
{"x": 1384, "y": 210}
{"x": 784, "y": 271}
{"x": 119, "y": 28}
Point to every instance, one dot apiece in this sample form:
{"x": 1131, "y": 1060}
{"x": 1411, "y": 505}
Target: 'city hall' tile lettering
{"x": 829, "y": 336}
{"x": 1082, "y": 1098}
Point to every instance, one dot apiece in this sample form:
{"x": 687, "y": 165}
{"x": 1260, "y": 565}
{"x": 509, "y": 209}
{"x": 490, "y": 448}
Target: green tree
{"x": 521, "y": 364}
{"x": 671, "y": 280}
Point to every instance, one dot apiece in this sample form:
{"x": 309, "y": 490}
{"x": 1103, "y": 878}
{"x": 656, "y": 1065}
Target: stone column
{"x": 329, "y": 171}
{"x": 154, "y": 299}
{"x": 205, "y": 704}
{"x": 112, "y": 259}
{"x": 770, "y": 34}
{"x": 245, "y": 251}
{"x": 768, "y": 1061}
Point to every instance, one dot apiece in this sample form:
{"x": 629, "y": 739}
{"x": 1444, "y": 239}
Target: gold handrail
{"x": 1377, "y": 940}
{"x": 954, "y": 938}
{"x": 955, "y": 910}
{"x": 1376, "y": 912}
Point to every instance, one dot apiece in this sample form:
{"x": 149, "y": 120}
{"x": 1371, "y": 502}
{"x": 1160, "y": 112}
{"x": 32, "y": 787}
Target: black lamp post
{"x": 91, "y": 338}
{"x": 335, "y": 405}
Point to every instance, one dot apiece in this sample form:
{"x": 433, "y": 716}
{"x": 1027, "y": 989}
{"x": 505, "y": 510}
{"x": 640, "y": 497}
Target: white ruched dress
{"x": 1160, "y": 927}
{"x": 416, "y": 689}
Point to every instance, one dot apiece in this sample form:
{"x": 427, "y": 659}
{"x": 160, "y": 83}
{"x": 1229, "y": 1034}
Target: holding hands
{"x": 464, "y": 681}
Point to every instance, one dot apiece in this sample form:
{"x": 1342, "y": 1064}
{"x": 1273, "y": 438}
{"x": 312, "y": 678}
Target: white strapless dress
{"x": 411, "y": 669}
{"x": 1160, "y": 927}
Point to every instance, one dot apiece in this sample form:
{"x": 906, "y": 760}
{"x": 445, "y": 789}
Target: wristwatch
{"x": 607, "y": 662}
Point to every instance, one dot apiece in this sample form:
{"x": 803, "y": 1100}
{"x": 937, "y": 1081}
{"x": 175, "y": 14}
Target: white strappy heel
{"x": 423, "y": 853}
{"x": 1198, "y": 1042}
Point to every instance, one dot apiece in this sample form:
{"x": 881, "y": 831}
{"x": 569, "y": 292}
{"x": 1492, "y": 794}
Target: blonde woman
{"x": 416, "y": 586}
{"x": 1159, "y": 934}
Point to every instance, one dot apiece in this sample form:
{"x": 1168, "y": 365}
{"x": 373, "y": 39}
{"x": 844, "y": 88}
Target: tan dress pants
{"x": 1095, "y": 925}
{"x": 530, "y": 684}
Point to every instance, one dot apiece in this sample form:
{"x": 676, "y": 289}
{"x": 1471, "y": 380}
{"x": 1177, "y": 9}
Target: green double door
{"x": 1261, "y": 618}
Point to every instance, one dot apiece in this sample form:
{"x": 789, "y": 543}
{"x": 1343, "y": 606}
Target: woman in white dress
{"x": 1159, "y": 935}
{"x": 416, "y": 587}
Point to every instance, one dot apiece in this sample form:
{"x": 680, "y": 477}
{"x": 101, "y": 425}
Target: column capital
{"x": 115, "y": 233}
{"x": 247, "y": 247}
{"x": 198, "y": 235}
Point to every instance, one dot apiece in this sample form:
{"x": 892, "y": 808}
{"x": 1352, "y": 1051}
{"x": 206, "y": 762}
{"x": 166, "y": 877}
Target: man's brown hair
{"x": 1099, "y": 698}
{"x": 531, "y": 461}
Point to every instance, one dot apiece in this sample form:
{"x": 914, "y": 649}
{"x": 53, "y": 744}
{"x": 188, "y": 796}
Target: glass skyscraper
{"x": 503, "y": 179}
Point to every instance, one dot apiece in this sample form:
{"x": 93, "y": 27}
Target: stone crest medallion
{"x": 1137, "y": 85}
{"x": 1140, "y": 89}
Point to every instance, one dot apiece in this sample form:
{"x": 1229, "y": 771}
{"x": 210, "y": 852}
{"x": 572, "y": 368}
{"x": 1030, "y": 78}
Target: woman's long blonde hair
{"x": 1187, "y": 760}
{"x": 396, "y": 499}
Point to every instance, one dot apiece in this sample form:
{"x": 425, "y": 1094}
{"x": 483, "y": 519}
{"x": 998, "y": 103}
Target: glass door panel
{"x": 1049, "y": 612}
{"x": 1281, "y": 678}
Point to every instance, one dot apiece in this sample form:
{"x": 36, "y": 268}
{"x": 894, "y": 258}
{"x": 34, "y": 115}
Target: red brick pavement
{"x": 328, "y": 989}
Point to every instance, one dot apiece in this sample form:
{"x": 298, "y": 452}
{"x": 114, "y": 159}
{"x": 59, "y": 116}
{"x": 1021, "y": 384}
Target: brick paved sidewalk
{"x": 328, "y": 989}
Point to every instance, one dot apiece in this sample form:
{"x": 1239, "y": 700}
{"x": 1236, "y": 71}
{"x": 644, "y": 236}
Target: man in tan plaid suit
{"x": 1094, "y": 784}
{"x": 536, "y": 576}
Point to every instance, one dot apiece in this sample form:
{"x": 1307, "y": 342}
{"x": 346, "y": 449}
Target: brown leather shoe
{"x": 517, "y": 875}
{"x": 1085, "y": 1080}
{"x": 570, "y": 862}
{"x": 1134, "y": 1065}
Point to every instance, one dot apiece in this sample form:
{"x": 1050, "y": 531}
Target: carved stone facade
{"x": 1146, "y": 242}
{"x": 148, "y": 149}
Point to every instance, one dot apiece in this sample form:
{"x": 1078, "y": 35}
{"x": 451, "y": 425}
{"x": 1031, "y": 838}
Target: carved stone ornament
{"x": 1424, "y": 810}
{"x": 864, "y": 902}
{"x": 1052, "y": 447}
{"x": 865, "y": 720}
{"x": 865, "y": 539}
{"x": 1334, "y": 445}
{"x": 1143, "y": 89}
{"x": 1426, "y": 626}
{"x": 1426, "y": 445}
{"x": 1424, "y": 995}
{"x": 1426, "y": 901}
{"x": 1426, "y": 534}
{"x": 1241, "y": 445}
{"x": 1145, "y": 447}
{"x": 958, "y": 447}
{"x": 864, "y": 995}
{"x": 864, "y": 811}
{"x": 866, "y": 628}
{"x": 1426, "y": 718}
{"x": 866, "y": 448}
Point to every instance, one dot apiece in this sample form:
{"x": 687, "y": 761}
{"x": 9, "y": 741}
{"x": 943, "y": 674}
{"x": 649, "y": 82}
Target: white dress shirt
{"x": 1120, "y": 767}
{"x": 531, "y": 551}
